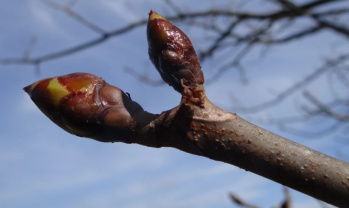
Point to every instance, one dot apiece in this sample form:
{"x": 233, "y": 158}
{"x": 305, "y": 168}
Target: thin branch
{"x": 218, "y": 41}
{"x": 315, "y": 3}
{"x": 294, "y": 36}
{"x": 294, "y": 88}
{"x": 338, "y": 71}
{"x": 314, "y": 134}
{"x": 234, "y": 63}
{"x": 74, "y": 49}
{"x": 304, "y": 10}
{"x": 287, "y": 203}
{"x": 208, "y": 13}
{"x": 144, "y": 78}
{"x": 27, "y": 52}
{"x": 174, "y": 7}
{"x": 67, "y": 10}
{"x": 342, "y": 30}
{"x": 241, "y": 202}
{"x": 331, "y": 12}
{"x": 325, "y": 108}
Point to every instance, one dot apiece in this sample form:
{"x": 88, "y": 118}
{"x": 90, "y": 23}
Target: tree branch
{"x": 241, "y": 202}
{"x": 304, "y": 10}
{"x": 87, "y": 106}
{"x": 285, "y": 204}
{"x": 198, "y": 127}
{"x": 67, "y": 10}
{"x": 307, "y": 80}
{"x": 271, "y": 16}
{"x": 325, "y": 108}
{"x": 72, "y": 50}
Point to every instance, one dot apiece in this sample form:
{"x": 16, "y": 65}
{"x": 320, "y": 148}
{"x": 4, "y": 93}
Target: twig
{"x": 294, "y": 36}
{"x": 299, "y": 85}
{"x": 69, "y": 51}
{"x": 208, "y": 13}
{"x": 287, "y": 203}
{"x": 217, "y": 42}
{"x": 144, "y": 78}
{"x": 241, "y": 202}
{"x": 67, "y": 10}
{"x": 28, "y": 50}
{"x": 324, "y": 108}
{"x": 173, "y": 6}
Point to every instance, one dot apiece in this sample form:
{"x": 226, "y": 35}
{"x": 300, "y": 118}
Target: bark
{"x": 86, "y": 106}
{"x": 219, "y": 135}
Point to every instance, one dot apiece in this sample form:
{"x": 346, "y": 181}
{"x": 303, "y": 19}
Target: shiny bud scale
{"x": 85, "y": 105}
{"x": 172, "y": 53}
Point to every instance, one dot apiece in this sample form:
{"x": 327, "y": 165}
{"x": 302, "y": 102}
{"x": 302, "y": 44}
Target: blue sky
{"x": 43, "y": 166}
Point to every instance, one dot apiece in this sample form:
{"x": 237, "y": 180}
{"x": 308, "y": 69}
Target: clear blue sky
{"x": 43, "y": 166}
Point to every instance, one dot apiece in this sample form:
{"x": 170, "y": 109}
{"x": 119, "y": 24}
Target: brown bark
{"x": 211, "y": 132}
{"x": 85, "y": 105}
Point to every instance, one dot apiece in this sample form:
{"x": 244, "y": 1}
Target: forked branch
{"x": 87, "y": 106}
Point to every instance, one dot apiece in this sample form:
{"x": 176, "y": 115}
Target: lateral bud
{"x": 172, "y": 53}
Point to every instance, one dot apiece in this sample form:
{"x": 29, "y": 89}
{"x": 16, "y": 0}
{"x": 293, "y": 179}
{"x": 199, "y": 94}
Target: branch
{"x": 294, "y": 36}
{"x": 241, "y": 202}
{"x": 72, "y": 50}
{"x": 299, "y": 85}
{"x": 325, "y": 108}
{"x": 219, "y": 40}
{"x": 207, "y": 131}
{"x": 87, "y": 106}
{"x": 67, "y": 10}
{"x": 104, "y": 36}
{"x": 304, "y": 10}
{"x": 285, "y": 204}
{"x": 144, "y": 77}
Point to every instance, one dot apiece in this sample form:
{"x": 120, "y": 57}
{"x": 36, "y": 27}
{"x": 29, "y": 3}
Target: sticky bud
{"x": 172, "y": 53}
{"x": 85, "y": 105}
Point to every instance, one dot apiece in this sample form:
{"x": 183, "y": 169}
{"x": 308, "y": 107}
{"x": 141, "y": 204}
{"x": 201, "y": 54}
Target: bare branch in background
{"x": 72, "y": 50}
{"x": 197, "y": 126}
{"x": 27, "y": 52}
{"x": 241, "y": 202}
{"x": 267, "y": 28}
{"x": 235, "y": 63}
{"x": 286, "y": 203}
{"x": 342, "y": 74}
{"x": 216, "y": 43}
{"x": 144, "y": 78}
{"x": 174, "y": 7}
{"x": 325, "y": 108}
{"x": 67, "y": 10}
{"x": 272, "y": 18}
{"x": 296, "y": 87}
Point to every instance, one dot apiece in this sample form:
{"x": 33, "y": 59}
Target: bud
{"x": 85, "y": 105}
{"x": 172, "y": 53}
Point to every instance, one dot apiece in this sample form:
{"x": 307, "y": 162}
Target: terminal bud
{"x": 87, "y": 106}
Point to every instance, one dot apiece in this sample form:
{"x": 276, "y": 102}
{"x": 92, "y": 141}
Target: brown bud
{"x": 85, "y": 105}
{"x": 172, "y": 53}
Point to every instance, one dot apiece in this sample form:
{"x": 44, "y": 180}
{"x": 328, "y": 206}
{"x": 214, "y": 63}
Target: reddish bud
{"x": 172, "y": 53}
{"x": 85, "y": 105}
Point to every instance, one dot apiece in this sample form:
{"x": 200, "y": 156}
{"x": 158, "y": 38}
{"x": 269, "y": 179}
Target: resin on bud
{"x": 87, "y": 106}
{"x": 172, "y": 53}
